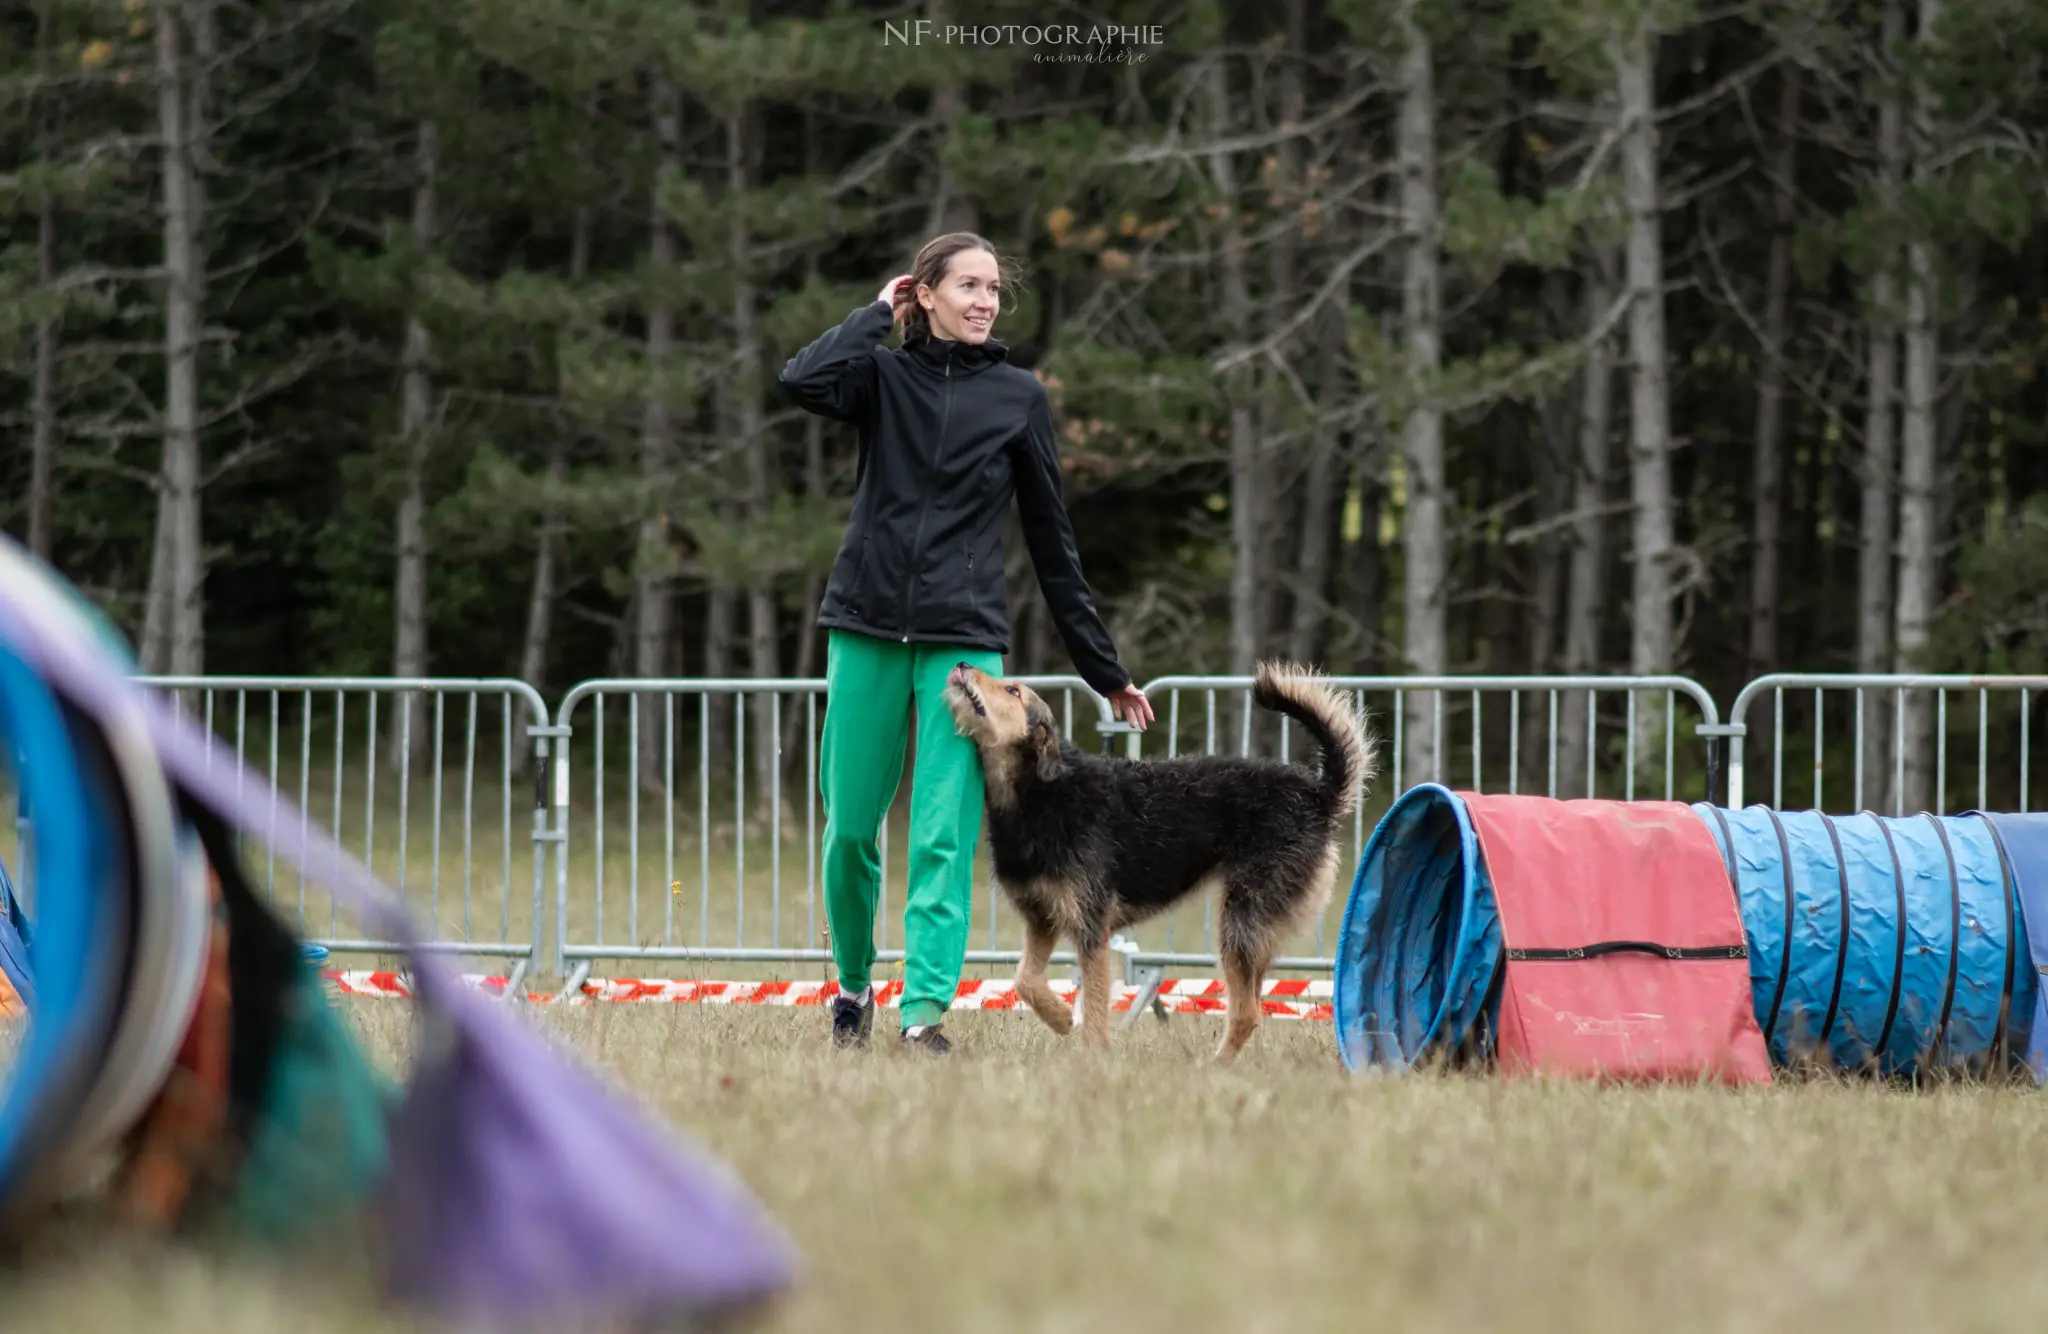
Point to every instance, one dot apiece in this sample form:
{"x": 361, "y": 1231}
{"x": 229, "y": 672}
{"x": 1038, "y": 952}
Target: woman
{"x": 949, "y": 431}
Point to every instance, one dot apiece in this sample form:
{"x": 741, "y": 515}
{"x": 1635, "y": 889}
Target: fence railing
{"x": 739, "y": 831}
{"x": 1886, "y": 740}
{"x": 686, "y": 821}
{"x": 392, "y": 765}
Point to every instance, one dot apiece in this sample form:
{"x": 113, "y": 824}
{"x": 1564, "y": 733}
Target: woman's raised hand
{"x": 897, "y": 293}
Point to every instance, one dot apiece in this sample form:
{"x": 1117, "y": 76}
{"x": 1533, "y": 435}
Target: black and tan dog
{"x": 1085, "y": 845}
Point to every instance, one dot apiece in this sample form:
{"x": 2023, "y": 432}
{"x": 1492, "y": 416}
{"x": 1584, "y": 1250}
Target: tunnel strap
{"x": 1606, "y": 947}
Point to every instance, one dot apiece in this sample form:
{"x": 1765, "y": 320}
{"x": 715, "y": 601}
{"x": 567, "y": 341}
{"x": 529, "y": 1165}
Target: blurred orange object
{"x": 181, "y": 1137}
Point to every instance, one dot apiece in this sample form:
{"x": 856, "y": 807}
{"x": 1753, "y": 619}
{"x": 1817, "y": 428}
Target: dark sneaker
{"x": 926, "y": 1038}
{"x": 851, "y": 1019}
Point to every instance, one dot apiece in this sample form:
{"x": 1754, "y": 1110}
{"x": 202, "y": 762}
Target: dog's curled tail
{"x": 1339, "y": 732}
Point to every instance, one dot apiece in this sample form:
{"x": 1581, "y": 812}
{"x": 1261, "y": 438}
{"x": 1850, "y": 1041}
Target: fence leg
{"x": 1716, "y": 735}
{"x": 1149, "y": 980}
{"x": 572, "y": 990}
{"x": 515, "y": 985}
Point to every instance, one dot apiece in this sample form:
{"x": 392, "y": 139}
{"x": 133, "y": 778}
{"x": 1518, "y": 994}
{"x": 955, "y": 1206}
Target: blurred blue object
{"x": 14, "y": 942}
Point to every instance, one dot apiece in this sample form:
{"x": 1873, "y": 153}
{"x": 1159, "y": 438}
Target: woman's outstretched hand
{"x": 897, "y": 293}
{"x": 1131, "y": 706}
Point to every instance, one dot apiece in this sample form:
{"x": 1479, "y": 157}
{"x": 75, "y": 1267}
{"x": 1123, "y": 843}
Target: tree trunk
{"x": 721, "y": 615}
{"x": 1555, "y": 466}
{"x": 1245, "y": 498}
{"x": 1280, "y": 535}
{"x": 1765, "y": 563}
{"x": 1424, "y": 556}
{"x": 653, "y": 595}
{"x": 952, "y": 211}
{"x": 415, "y": 427}
{"x": 809, "y": 640}
{"x": 1650, "y": 640}
{"x": 43, "y": 402}
{"x": 1546, "y": 596}
{"x": 1918, "y": 575}
{"x": 1292, "y": 523}
{"x": 1322, "y": 510}
{"x": 181, "y": 643}
{"x": 43, "y": 441}
{"x": 1368, "y": 571}
{"x": 1555, "y": 469}
{"x": 154, "y": 650}
{"x": 1960, "y": 316}
{"x": 540, "y": 606}
{"x": 743, "y": 396}
{"x": 620, "y": 656}
{"x": 540, "y": 603}
{"x": 1546, "y": 586}
{"x": 1880, "y": 462}
{"x": 1586, "y": 581}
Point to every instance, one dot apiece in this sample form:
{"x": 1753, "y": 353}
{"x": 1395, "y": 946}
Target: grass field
{"x": 1026, "y": 1186}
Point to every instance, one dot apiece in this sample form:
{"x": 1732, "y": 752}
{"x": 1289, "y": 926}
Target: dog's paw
{"x": 1053, "y": 1012}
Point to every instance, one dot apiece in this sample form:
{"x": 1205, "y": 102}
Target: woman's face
{"x": 963, "y": 305}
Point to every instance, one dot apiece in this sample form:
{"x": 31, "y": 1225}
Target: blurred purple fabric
{"x": 522, "y": 1191}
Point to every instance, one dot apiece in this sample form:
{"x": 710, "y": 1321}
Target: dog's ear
{"x": 1044, "y": 740}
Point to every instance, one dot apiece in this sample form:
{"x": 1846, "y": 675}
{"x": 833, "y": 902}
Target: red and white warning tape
{"x": 1288, "y": 998}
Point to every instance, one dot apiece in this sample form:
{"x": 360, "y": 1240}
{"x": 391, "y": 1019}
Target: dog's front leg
{"x": 1095, "y": 959}
{"x": 1031, "y": 983}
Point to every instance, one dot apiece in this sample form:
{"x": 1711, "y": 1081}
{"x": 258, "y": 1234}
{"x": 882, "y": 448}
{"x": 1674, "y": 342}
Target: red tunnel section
{"x": 1625, "y": 953}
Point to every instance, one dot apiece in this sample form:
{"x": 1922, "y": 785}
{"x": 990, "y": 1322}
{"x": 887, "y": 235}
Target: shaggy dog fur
{"x": 1085, "y": 845}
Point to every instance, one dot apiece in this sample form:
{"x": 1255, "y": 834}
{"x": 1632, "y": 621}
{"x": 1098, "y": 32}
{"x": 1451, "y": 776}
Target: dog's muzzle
{"x": 957, "y": 679}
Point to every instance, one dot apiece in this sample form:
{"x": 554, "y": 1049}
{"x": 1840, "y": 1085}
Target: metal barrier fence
{"x": 1896, "y": 746}
{"x": 726, "y": 820}
{"x": 665, "y": 719}
{"x": 485, "y": 750}
{"x": 423, "y": 845}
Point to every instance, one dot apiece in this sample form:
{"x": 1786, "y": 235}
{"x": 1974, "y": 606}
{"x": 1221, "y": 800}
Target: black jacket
{"x": 948, "y": 432}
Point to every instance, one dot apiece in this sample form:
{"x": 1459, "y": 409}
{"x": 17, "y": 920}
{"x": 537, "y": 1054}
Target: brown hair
{"x": 929, "y": 270}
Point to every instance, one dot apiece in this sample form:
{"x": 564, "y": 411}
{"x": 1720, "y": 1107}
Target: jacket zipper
{"x": 931, "y": 477}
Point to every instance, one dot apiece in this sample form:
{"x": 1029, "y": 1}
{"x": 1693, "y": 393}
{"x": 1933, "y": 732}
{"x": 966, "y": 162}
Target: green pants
{"x": 869, "y": 687}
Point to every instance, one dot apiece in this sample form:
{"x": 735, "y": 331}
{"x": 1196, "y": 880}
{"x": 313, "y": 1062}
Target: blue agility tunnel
{"x": 1900, "y": 947}
{"x": 14, "y": 967}
{"x": 2024, "y": 841}
{"x": 1420, "y": 943}
{"x": 1895, "y": 944}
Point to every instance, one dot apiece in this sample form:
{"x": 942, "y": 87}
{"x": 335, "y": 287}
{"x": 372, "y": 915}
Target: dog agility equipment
{"x": 1894, "y": 946}
{"x": 178, "y": 1026}
{"x": 1891, "y": 943}
{"x": 2024, "y": 841}
{"x": 1585, "y": 937}
{"x": 17, "y": 983}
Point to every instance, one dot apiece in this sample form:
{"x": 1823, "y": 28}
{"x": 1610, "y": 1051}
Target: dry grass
{"x": 1026, "y": 1186}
